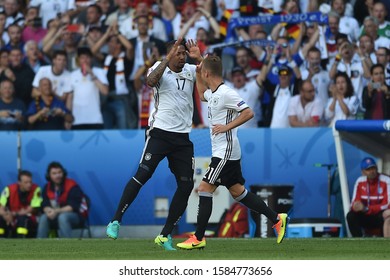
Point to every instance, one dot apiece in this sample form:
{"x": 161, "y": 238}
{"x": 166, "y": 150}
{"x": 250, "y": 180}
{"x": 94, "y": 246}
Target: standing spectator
{"x": 33, "y": 56}
{"x": 50, "y": 9}
{"x": 87, "y": 84}
{"x": 47, "y": 112}
{"x": 380, "y": 12}
{"x": 5, "y": 71}
{"x": 19, "y": 206}
{"x": 305, "y": 109}
{"x": 348, "y": 25}
{"x": 11, "y": 109}
{"x": 343, "y": 103}
{"x": 63, "y": 203}
{"x": 123, "y": 12}
{"x": 227, "y": 111}
{"x": 155, "y": 25}
{"x": 93, "y": 18}
{"x": 243, "y": 58}
{"x": 24, "y": 76}
{"x": 371, "y": 197}
{"x": 376, "y": 95}
{"x": 117, "y": 106}
{"x": 33, "y": 29}
{"x": 371, "y": 28}
{"x": 13, "y": 13}
{"x": 317, "y": 75}
{"x": 57, "y": 74}
{"x": 250, "y": 92}
{"x": 15, "y": 37}
{"x": 383, "y": 57}
{"x": 167, "y": 136}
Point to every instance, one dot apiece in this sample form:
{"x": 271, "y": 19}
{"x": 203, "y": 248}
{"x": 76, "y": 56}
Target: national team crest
{"x": 148, "y": 156}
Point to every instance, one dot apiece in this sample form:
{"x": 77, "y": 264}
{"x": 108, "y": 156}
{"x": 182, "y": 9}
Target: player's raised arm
{"x": 193, "y": 50}
{"x": 155, "y": 76}
{"x": 200, "y": 85}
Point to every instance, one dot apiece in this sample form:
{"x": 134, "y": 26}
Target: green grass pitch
{"x": 217, "y": 249}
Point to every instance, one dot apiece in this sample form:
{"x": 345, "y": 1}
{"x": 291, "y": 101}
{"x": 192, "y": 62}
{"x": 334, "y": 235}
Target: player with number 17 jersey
{"x": 224, "y": 105}
{"x": 173, "y": 107}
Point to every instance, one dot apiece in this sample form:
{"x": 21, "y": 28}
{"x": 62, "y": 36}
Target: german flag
{"x": 223, "y": 24}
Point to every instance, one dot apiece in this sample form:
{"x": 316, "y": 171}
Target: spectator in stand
{"x": 51, "y": 9}
{"x": 305, "y": 109}
{"x": 15, "y": 37}
{"x": 13, "y": 13}
{"x": 5, "y": 71}
{"x": 87, "y": 84}
{"x": 12, "y": 109}
{"x": 33, "y": 56}
{"x": 117, "y": 105}
{"x": 243, "y": 58}
{"x": 123, "y": 12}
{"x": 343, "y": 103}
{"x": 24, "y": 76}
{"x": 366, "y": 53}
{"x": 155, "y": 25}
{"x": 192, "y": 19}
{"x": 47, "y": 111}
{"x": 250, "y": 92}
{"x": 59, "y": 37}
{"x": 4, "y": 38}
{"x": 19, "y": 206}
{"x": 63, "y": 203}
{"x": 57, "y": 74}
{"x": 317, "y": 75}
{"x": 371, "y": 28}
{"x": 33, "y": 29}
{"x": 93, "y": 18}
{"x": 380, "y": 12}
{"x": 281, "y": 94}
{"x": 383, "y": 57}
{"x": 331, "y": 33}
{"x": 370, "y": 201}
{"x": 376, "y": 95}
{"x": 349, "y": 62}
{"x": 348, "y": 25}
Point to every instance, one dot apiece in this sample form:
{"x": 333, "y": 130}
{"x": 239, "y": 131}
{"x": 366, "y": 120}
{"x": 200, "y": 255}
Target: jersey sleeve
{"x": 234, "y": 101}
{"x": 37, "y": 78}
{"x": 151, "y": 69}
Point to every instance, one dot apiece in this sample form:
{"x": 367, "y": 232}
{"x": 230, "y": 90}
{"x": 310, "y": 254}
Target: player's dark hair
{"x": 170, "y": 44}
{"x": 213, "y": 64}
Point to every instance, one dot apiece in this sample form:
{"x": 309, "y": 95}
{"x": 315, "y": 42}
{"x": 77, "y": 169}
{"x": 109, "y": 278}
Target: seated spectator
{"x": 87, "y": 83}
{"x": 63, "y": 203}
{"x": 47, "y": 112}
{"x": 19, "y": 205}
{"x": 11, "y": 109}
{"x": 57, "y": 74}
{"x": 342, "y": 104}
{"x": 370, "y": 200}
{"x": 376, "y": 95}
{"x": 305, "y": 109}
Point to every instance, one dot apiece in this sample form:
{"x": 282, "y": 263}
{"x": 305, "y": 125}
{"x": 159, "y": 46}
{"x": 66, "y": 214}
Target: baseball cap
{"x": 367, "y": 162}
{"x": 238, "y": 70}
{"x": 284, "y": 71}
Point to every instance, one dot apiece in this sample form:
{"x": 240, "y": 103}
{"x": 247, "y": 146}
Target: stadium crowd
{"x": 81, "y": 64}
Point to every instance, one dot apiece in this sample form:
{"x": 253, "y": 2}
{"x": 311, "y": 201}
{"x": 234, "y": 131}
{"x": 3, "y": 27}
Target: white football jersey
{"x": 224, "y": 105}
{"x": 173, "y": 103}
{"x": 60, "y": 82}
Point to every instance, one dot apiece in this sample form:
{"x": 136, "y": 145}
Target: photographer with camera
{"x": 376, "y": 95}
{"x": 47, "y": 111}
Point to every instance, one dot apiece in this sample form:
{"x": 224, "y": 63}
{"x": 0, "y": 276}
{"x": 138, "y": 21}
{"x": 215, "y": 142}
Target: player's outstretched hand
{"x": 193, "y": 50}
{"x": 199, "y": 67}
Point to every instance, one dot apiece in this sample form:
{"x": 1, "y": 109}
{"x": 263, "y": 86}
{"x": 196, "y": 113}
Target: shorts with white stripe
{"x": 224, "y": 172}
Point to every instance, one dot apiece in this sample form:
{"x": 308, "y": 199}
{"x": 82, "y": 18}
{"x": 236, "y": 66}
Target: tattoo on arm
{"x": 156, "y": 74}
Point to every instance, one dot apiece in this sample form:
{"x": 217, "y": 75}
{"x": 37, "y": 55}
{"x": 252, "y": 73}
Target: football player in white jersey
{"x": 226, "y": 111}
{"x": 170, "y": 123}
